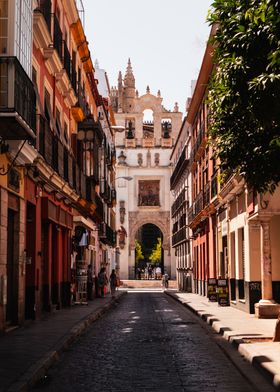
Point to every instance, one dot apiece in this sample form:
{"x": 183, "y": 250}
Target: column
{"x": 266, "y": 274}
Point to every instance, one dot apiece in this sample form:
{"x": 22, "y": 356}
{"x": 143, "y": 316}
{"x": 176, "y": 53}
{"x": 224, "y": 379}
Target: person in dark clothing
{"x": 113, "y": 282}
{"x": 89, "y": 282}
{"x": 102, "y": 281}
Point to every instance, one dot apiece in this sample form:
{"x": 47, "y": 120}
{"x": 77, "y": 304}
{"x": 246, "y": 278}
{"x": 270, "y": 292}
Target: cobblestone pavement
{"x": 150, "y": 343}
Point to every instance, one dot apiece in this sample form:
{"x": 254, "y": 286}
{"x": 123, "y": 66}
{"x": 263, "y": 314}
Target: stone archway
{"x": 140, "y": 218}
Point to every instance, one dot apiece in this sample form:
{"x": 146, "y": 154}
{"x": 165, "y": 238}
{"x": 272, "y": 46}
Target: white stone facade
{"x": 143, "y": 153}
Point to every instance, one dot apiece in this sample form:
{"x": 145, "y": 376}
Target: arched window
{"x": 148, "y": 124}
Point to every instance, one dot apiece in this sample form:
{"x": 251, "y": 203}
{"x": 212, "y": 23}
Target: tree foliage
{"x": 138, "y": 252}
{"x": 244, "y": 92}
{"x": 155, "y": 256}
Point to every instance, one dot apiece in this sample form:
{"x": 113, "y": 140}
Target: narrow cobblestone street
{"x": 148, "y": 343}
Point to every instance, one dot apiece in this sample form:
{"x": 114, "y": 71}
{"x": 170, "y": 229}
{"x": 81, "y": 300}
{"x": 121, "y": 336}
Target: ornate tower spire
{"x": 129, "y": 88}
{"x": 129, "y": 80}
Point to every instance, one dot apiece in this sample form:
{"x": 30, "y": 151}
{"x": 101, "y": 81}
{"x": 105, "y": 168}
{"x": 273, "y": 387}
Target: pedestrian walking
{"x": 89, "y": 282}
{"x": 113, "y": 283}
{"x": 158, "y": 272}
{"x": 102, "y": 281}
{"x": 166, "y": 280}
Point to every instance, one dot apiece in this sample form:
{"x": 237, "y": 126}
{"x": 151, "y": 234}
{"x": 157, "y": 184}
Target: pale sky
{"x": 165, "y": 40}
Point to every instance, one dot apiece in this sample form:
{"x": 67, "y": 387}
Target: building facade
{"x": 234, "y": 231}
{"x": 143, "y": 171}
{"x": 180, "y": 185}
{"x": 57, "y": 158}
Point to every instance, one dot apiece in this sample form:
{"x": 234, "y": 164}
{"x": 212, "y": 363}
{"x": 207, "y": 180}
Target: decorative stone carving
{"x": 122, "y": 159}
{"x": 122, "y": 236}
{"x": 148, "y": 158}
{"x": 122, "y": 211}
{"x": 156, "y": 158}
{"x": 140, "y": 159}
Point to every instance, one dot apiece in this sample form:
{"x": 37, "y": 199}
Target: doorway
{"x": 12, "y": 270}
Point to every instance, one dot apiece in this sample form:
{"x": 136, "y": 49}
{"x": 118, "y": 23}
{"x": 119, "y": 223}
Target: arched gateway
{"x": 161, "y": 221}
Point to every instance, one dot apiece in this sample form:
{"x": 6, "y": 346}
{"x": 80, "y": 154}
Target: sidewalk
{"x": 27, "y": 352}
{"x": 251, "y": 336}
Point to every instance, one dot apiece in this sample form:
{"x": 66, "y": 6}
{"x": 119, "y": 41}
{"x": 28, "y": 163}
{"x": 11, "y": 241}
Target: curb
{"x": 37, "y": 371}
{"x": 239, "y": 344}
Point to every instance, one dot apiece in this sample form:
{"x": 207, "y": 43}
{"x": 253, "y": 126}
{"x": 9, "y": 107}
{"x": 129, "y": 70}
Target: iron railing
{"x": 17, "y": 93}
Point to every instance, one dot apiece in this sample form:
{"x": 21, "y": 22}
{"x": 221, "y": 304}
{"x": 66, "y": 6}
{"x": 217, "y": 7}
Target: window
{"x": 58, "y": 122}
{"x": 23, "y": 34}
{"x": 66, "y": 136}
{"x": 148, "y": 124}
{"x": 166, "y": 128}
{"x": 3, "y": 26}
{"x": 130, "y": 128}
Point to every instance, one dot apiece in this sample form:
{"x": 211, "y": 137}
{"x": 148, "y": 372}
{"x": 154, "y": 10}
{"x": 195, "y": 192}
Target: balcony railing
{"x": 106, "y": 234}
{"x": 201, "y": 201}
{"x": 180, "y": 236}
{"x": 198, "y": 142}
{"x": 178, "y": 203}
{"x": 17, "y": 101}
{"x": 99, "y": 206}
{"x": 57, "y": 155}
{"x": 179, "y": 168}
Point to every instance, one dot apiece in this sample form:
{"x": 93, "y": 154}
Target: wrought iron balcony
{"x": 178, "y": 203}
{"x": 106, "y": 234}
{"x": 106, "y": 192}
{"x": 17, "y": 101}
{"x": 179, "y": 168}
{"x": 99, "y": 207}
{"x": 200, "y": 202}
{"x": 180, "y": 236}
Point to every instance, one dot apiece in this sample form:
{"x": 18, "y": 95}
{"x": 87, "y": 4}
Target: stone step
{"x": 147, "y": 283}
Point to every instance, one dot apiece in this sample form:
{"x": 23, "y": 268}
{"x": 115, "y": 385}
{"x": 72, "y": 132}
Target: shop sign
{"x": 223, "y": 292}
{"x": 212, "y": 290}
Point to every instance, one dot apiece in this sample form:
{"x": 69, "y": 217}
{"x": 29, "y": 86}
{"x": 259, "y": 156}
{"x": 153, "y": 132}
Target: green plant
{"x": 244, "y": 91}
{"x": 138, "y": 252}
{"x": 155, "y": 256}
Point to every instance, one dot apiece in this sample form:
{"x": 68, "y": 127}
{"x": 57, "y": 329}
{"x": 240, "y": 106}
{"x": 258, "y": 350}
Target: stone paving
{"x": 27, "y": 352}
{"x": 150, "y": 343}
{"x": 251, "y": 336}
